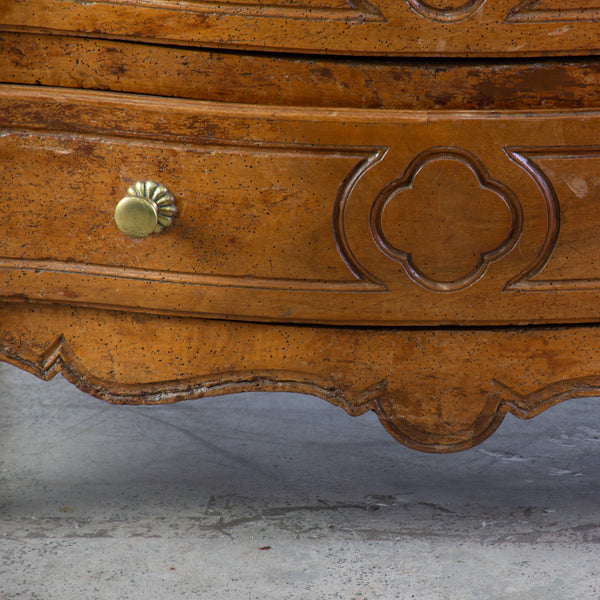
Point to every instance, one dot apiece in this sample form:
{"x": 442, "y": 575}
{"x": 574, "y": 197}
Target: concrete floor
{"x": 277, "y": 496}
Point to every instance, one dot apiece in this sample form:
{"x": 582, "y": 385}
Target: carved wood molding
{"x": 431, "y": 396}
{"x": 308, "y": 10}
{"x": 60, "y": 358}
{"x": 457, "y": 12}
{"x": 283, "y": 217}
{"x": 403, "y": 186}
{"x": 501, "y": 400}
{"x": 531, "y": 160}
{"x": 363, "y": 157}
{"x": 525, "y": 159}
{"x": 331, "y": 27}
{"x": 545, "y": 11}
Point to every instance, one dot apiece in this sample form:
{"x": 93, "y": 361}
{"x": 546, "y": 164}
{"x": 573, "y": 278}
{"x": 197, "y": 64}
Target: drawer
{"x": 374, "y": 27}
{"x": 311, "y": 81}
{"x": 346, "y": 216}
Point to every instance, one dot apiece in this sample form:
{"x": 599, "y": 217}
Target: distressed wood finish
{"x": 436, "y": 390}
{"x": 417, "y": 237}
{"x": 311, "y": 81}
{"x": 350, "y": 217}
{"x": 374, "y": 27}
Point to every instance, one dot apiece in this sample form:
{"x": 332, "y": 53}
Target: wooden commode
{"x": 393, "y": 205}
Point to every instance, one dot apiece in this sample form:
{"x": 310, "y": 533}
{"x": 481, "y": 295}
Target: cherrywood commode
{"x": 392, "y": 205}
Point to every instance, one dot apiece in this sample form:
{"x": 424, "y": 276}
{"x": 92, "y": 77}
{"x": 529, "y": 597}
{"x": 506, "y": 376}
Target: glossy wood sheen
{"x": 374, "y": 27}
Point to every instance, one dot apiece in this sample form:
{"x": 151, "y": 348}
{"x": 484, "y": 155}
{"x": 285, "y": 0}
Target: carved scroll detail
{"x": 460, "y": 12}
{"x": 404, "y": 184}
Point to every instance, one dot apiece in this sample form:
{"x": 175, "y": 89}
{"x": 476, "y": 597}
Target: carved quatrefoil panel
{"x": 446, "y": 10}
{"x": 445, "y": 220}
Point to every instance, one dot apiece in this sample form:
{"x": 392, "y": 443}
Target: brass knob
{"x": 148, "y": 207}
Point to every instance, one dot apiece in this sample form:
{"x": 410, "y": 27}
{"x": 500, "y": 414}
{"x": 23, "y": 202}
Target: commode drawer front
{"x": 357, "y": 217}
{"x": 373, "y": 27}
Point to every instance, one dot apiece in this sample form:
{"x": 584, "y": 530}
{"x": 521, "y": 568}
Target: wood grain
{"x": 315, "y": 81}
{"x": 436, "y": 390}
{"x": 361, "y": 216}
{"x": 353, "y": 217}
{"x": 377, "y": 27}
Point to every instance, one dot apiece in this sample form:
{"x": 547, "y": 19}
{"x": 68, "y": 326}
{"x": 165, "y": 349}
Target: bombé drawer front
{"x": 349, "y": 216}
{"x": 365, "y": 27}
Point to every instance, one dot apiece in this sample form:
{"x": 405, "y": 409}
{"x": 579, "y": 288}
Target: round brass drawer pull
{"x": 147, "y": 208}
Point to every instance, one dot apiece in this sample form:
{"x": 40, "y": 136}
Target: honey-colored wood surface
{"x": 284, "y": 80}
{"x": 374, "y": 232}
{"x": 354, "y": 217}
{"x": 437, "y": 390}
{"x": 373, "y": 27}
